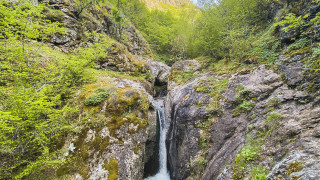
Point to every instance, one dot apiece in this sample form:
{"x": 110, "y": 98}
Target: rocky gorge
{"x": 217, "y": 119}
{"x": 210, "y": 118}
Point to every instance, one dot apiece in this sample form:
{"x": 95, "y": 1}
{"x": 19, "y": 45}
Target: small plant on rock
{"x": 245, "y": 106}
{"x": 259, "y": 173}
{"x": 99, "y": 95}
{"x": 272, "y": 122}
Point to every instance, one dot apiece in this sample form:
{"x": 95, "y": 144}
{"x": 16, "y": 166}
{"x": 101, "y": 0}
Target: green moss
{"x": 113, "y": 168}
{"x": 84, "y": 171}
{"x": 137, "y": 148}
{"x": 122, "y": 101}
{"x": 141, "y": 122}
{"x": 105, "y": 143}
{"x": 271, "y": 109}
{"x": 99, "y": 95}
{"x": 180, "y": 77}
{"x": 294, "y": 167}
{"x": 302, "y": 51}
{"x": 96, "y": 143}
{"x": 114, "y": 124}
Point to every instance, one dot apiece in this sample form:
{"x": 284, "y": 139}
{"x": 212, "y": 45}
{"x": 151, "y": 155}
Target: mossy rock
{"x": 113, "y": 168}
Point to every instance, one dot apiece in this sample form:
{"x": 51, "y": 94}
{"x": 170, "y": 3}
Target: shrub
{"x": 100, "y": 95}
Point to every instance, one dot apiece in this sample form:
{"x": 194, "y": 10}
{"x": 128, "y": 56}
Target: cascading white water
{"x": 163, "y": 173}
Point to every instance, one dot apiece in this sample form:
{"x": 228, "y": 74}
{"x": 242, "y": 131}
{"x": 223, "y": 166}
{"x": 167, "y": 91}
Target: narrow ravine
{"x": 163, "y": 173}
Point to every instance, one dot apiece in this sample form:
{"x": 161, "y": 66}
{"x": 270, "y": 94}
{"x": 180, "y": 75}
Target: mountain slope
{"x": 158, "y": 3}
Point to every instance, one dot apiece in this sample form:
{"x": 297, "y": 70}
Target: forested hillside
{"x": 80, "y": 81}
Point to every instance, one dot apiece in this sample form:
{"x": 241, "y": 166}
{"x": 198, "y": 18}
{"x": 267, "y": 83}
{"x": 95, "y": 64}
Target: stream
{"x": 163, "y": 173}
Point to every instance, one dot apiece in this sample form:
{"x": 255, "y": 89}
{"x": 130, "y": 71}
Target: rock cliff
{"x": 268, "y": 113}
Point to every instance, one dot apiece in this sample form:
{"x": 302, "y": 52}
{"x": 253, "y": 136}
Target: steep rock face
{"x": 113, "y": 144}
{"x": 249, "y": 106}
{"x": 287, "y": 144}
{"x": 229, "y": 132}
{"x": 151, "y": 158}
{"x": 93, "y": 19}
{"x": 185, "y": 111}
{"x": 183, "y": 136}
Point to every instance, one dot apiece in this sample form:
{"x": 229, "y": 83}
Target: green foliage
{"x": 25, "y": 21}
{"x": 203, "y": 142}
{"x": 99, "y": 95}
{"x": 36, "y": 85}
{"x": 167, "y": 29}
{"x": 200, "y": 163}
{"x": 246, "y": 106}
{"x": 259, "y": 173}
{"x": 299, "y": 23}
{"x": 117, "y": 16}
{"x": 293, "y": 21}
{"x": 272, "y": 122}
{"x": 242, "y": 98}
{"x": 315, "y": 52}
{"x": 301, "y": 43}
{"x": 265, "y": 48}
{"x": 242, "y": 93}
{"x": 248, "y": 154}
{"x": 223, "y": 28}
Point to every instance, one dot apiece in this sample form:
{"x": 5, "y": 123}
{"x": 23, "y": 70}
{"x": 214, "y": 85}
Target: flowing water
{"x": 163, "y": 173}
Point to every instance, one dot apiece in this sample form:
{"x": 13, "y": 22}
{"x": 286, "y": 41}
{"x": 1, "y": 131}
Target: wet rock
{"x": 151, "y": 158}
{"x": 183, "y": 137}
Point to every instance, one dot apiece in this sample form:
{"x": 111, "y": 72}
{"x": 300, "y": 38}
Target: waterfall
{"x": 163, "y": 173}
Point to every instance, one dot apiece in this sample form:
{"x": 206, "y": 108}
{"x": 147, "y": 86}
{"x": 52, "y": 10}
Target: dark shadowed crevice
{"x": 151, "y": 167}
{"x": 160, "y": 88}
